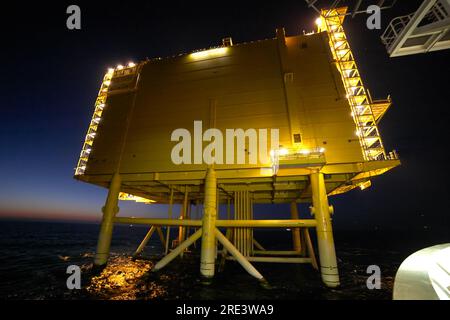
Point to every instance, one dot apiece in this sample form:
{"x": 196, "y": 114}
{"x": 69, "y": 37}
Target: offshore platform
{"x": 307, "y": 87}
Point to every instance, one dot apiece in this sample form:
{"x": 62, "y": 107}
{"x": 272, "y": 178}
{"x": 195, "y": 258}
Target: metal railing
{"x": 437, "y": 13}
{"x": 396, "y": 26}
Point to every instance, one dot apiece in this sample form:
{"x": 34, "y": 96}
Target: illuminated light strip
{"x": 360, "y": 104}
{"x": 364, "y": 185}
{"x": 100, "y": 104}
{"x": 96, "y": 117}
{"x": 129, "y": 197}
{"x": 209, "y": 53}
{"x": 281, "y": 154}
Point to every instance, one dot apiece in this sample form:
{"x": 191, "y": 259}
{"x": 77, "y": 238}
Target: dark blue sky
{"x": 50, "y": 78}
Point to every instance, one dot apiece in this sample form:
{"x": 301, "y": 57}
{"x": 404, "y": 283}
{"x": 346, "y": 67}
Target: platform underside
{"x": 290, "y": 184}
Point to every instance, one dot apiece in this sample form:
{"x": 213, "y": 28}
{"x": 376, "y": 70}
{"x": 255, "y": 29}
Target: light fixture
{"x": 304, "y": 152}
{"x": 209, "y": 53}
{"x": 364, "y": 185}
{"x": 130, "y": 197}
{"x": 353, "y": 90}
{"x": 359, "y": 109}
{"x": 319, "y": 22}
{"x": 338, "y": 44}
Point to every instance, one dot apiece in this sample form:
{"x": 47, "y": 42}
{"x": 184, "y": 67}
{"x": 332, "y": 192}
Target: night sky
{"x": 51, "y": 75}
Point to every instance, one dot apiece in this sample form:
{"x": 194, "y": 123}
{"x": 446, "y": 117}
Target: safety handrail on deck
{"x": 395, "y": 27}
{"x": 299, "y": 223}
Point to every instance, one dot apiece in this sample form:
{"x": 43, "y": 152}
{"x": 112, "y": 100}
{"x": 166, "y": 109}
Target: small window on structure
{"x": 297, "y": 138}
{"x": 288, "y": 77}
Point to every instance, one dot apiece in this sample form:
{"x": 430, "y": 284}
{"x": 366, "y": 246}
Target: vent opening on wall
{"x": 288, "y": 77}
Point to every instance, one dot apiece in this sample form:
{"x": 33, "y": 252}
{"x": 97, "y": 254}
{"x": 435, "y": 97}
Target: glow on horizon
{"x": 94, "y": 215}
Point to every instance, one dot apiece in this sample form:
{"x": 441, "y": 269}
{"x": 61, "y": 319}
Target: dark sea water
{"x": 34, "y": 257}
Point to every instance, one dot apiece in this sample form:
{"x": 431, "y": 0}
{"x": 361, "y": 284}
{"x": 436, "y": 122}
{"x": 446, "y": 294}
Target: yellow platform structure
{"x": 306, "y": 86}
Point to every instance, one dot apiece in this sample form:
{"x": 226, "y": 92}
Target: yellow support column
{"x": 208, "y": 250}
{"x": 295, "y": 231}
{"x": 170, "y": 217}
{"x": 321, "y": 210}
{"x": 183, "y": 215}
{"x": 109, "y": 212}
{"x": 144, "y": 241}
